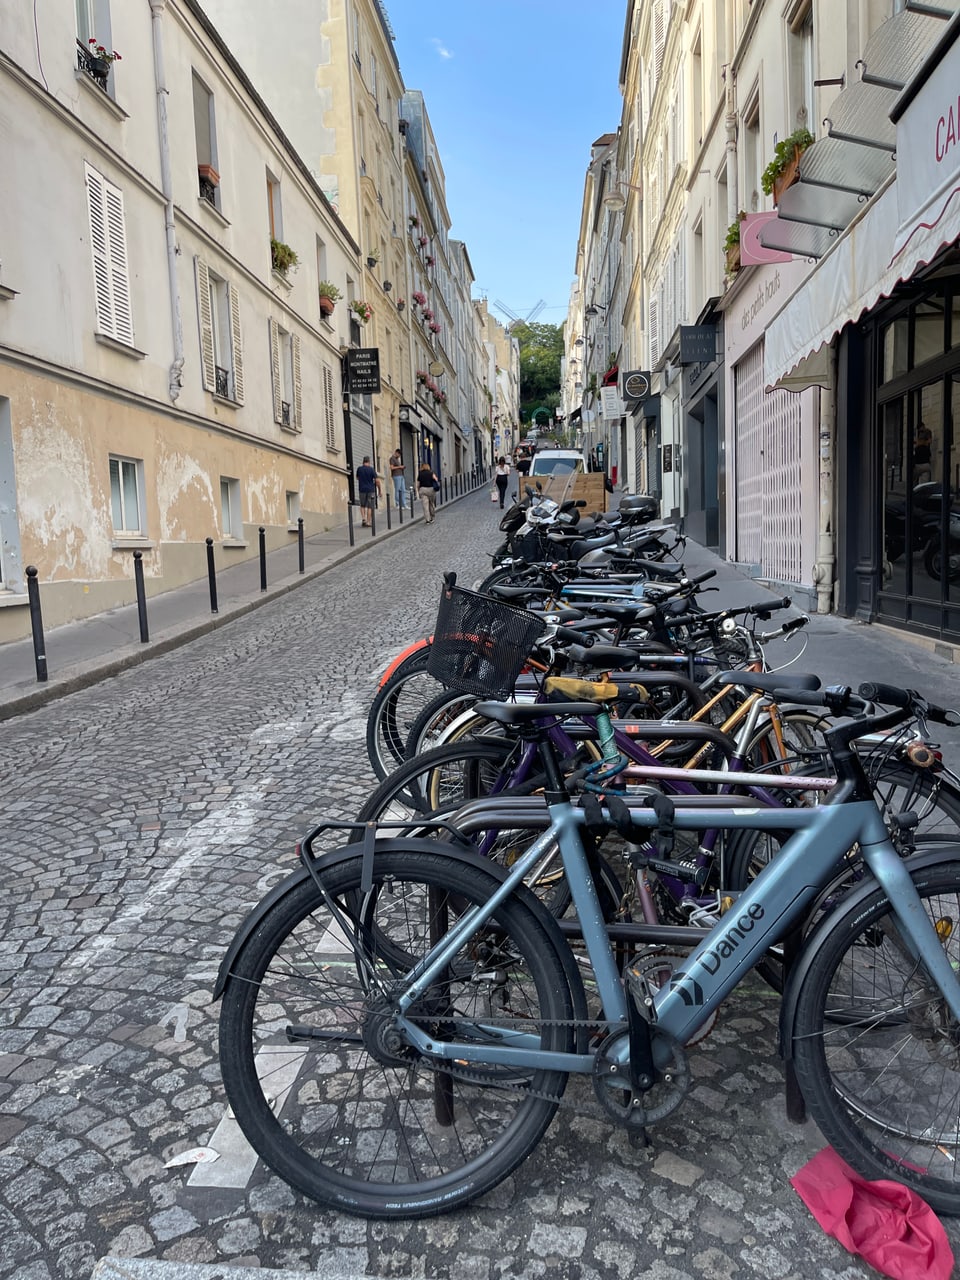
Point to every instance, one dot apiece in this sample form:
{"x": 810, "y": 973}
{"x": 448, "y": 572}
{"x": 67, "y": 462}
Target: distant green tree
{"x": 541, "y": 350}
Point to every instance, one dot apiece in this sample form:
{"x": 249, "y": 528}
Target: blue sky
{"x": 517, "y": 91}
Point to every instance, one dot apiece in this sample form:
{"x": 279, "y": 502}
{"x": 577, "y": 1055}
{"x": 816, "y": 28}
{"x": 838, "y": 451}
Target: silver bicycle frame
{"x": 763, "y": 914}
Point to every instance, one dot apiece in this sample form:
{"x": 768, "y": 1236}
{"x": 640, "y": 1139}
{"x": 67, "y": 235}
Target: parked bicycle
{"x": 400, "y": 1016}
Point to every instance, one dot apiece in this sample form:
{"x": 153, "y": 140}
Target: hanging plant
{"x": 361, "y": 310}
{"x": 420, "y": 299}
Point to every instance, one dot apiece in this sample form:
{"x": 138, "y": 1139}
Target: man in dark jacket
{"x": 369, "y": 489}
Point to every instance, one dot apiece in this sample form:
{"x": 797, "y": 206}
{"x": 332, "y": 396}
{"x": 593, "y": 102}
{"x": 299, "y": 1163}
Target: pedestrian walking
{"x": 397, "y": 470}
{"x": 427, "y": 486}
{"x": 502, "y": 477}
{"x": 369, "y": 489}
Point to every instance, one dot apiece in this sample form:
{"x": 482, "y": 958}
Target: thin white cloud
{"x": 441, "y": 48}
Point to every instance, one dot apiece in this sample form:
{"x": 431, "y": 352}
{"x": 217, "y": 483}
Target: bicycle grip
{"x": 450, "y": 579}
{"x": 702, "y": 577}
{"x": 887, "y": 694}
{"x": 766, "y": 607}
{"x": 942, "y": 715}
{"x": 569, "y": 636}
{"x": 792, "y": 624}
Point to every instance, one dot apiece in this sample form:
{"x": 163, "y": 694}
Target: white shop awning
{"x": 863, "y": 266}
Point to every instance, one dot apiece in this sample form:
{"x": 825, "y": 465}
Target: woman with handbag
{"x": 427, "y": 486}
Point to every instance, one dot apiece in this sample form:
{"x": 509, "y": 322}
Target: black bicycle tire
{"x": 385, "y": 735}
{"x": 263, "y": 1124}
{"x": 444, "y": 702}
{"x": 402, "y": 784}
{"x": 843, "y": 1118}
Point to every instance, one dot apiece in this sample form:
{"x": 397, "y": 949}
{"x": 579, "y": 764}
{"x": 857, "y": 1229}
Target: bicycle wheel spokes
{"x": 880, "y": 1053}
{"x": 325, "y": 1085}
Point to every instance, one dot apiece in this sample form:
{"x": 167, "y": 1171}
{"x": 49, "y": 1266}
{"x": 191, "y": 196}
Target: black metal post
{"x": 300, "y": 542}
{"x": 373, "y": 519}
{"x": 212, "y": 576}
{"x": 350, "y": 523}
{"x": 388, "y": 509}
{"x": 412, "y": 498}
{"x": 141, "y": 596}
{"x": 263, "y": 558}
{"x": 36, "y": 623}
{"x": 400, "y": 506}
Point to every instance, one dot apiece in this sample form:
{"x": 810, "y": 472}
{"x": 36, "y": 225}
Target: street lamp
{"x": 594, "y": 309}
{"x": 615, "y": 200}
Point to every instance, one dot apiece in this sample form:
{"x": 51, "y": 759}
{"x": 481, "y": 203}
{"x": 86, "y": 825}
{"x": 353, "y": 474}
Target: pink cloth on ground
{"x": 887, "y": 1224}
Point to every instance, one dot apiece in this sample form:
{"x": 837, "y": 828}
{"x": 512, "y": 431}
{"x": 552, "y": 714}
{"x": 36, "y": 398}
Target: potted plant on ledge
{"x": 97, "y": 60}
{"x": 361, "y": 310}
{"x": 282, "y": 257}
{"x": 731, "y": 245}
{"x": 781, "y": 172}
{"x": 330, "y": 295}
{"x": 373, "y": 257}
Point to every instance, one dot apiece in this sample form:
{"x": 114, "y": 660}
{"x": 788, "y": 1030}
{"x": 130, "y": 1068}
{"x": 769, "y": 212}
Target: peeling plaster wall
{"x": 63, "y": 437}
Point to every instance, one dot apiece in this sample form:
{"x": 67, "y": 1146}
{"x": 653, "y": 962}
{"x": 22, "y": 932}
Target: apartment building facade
{"x": 164, "y": 376}
{"x": 764, "y": 461}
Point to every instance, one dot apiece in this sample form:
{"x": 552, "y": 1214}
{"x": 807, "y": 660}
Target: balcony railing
{"x": 96, "y": 68}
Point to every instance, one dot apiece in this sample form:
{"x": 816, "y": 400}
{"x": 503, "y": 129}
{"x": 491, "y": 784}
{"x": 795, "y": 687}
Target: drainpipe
{"x": 730, "y": 121}
{"x": 824, "y": 571}
{"x": 166, "y": 182}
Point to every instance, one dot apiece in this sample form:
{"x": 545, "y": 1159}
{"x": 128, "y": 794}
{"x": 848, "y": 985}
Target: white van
{"x": 558, "y": 462}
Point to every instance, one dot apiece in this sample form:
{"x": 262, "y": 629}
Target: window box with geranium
{"x": 427, "y": 314}
{"x": 400, "y": 304}
{"x": 96, "y": 60}
{"x": 429, "y": 260}
{"x": 434, "y": 327}
{"x": 420, "y": 299}
{"x": 361, "y": 310}
{"x": 422, "y": 241}
{"x": 421, "y": 376}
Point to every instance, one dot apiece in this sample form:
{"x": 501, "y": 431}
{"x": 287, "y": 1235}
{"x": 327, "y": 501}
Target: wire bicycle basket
{"x": 480, "y": 644}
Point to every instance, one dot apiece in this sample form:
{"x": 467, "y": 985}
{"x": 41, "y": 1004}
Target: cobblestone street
{"x": 140, "y": 820}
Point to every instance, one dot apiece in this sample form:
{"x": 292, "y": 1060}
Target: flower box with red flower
{"x": 429, "y": 261}
{"x": 420, "y": 299}
{"x": 422, "y": 241}
{"x": 434, "y": 327}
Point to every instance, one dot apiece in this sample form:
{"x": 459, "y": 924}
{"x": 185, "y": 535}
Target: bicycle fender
{"x": 401, "y": 657}
{"x": 851, "y": 904}
{"x": 354, "y": 851}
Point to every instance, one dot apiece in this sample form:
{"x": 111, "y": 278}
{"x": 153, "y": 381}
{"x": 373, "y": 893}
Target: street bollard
{"x": 387, "y": 495}
{"x": 36, "y": 623}
{"x": 212, "y": 576}
{"x": 263, "y": 558}
{"x": 400, "y": 506}
{"x": 141, "y": 596}
{"x": 300, "y": 542}
{"x": 411, "y": 504}
{"x": 373, "y": 519}
{"x": 350, "y": 523}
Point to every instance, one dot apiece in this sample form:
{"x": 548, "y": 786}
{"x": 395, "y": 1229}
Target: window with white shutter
{"x": 329, "y": 416}
{"x": 285, "y": 376}
{"x": 108, "y": 244}
{"x": 221, "y": 351}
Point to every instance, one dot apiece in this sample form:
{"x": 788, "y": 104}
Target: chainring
{"x": 611, "y": 1082}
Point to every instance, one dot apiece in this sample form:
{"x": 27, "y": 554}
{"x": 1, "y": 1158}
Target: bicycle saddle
{"x": 769, "y": 683}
